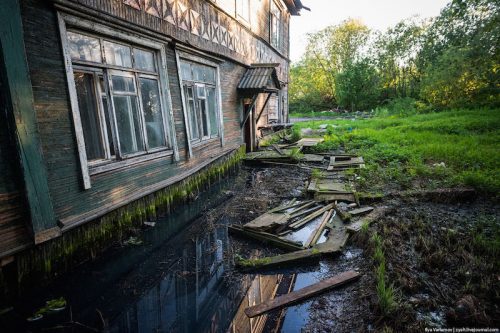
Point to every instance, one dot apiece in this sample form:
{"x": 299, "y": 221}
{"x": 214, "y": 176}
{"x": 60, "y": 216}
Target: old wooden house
{"x": 114, "y": 109}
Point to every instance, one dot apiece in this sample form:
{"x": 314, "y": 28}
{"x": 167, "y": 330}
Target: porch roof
{"x": 260, "y": 78}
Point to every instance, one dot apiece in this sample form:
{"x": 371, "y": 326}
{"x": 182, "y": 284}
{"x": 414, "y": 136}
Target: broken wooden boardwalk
{"x": 302, "y": 294}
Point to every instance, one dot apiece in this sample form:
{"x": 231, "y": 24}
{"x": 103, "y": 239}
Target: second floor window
{"x": 119, "y": 98}
{"x": 243, "y": 10}
{"x": 275, "y": 25}
{"x": 200, "y": 93}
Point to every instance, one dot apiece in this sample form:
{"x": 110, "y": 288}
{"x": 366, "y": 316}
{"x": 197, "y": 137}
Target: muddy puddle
{"x": 179, "y": 276}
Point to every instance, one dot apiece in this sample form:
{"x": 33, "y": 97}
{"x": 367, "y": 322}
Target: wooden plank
{"x": 330, "y": 165}
{"x": 310, "y": 217}
{"x": 328, "y": 197}
{"x": 266, "y": 238}
{"x": 286, "y": 259}
{"x": 267, "y": 221}
{"x": 19, "y": 95}
{"x": 302, "y": 294}
{"x": 291, "y": 204}
{"x": 328, "y": 185}
{"x": 312, "y": 185}
{"x": 309, "y": 142}
{"x": 277, "y": 149}
{"x": 319, "y": 230}
{"x": 361, "y": 210}
{"x": 370, "y": 218}
{"x": 313, "y": 158}
{"x": 299, "y": 210}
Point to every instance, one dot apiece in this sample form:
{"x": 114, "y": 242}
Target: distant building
{"x": 106, "y": 103}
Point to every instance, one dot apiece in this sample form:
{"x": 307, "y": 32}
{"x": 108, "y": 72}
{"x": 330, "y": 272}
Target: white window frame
{"x": 279, "y": 19}
{"x": 115, "y": 35}
{"x": 238, "y": 5}
{"x": 185, "y": 54}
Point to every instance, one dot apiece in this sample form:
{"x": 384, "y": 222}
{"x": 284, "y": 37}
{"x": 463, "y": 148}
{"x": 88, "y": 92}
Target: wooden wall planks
{"x": 57, "y": 134}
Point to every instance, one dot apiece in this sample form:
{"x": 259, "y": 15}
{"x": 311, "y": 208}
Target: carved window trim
{"x": 79, "y": 24}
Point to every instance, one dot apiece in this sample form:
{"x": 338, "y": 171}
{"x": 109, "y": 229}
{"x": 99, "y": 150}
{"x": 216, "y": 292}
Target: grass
{"x": 451, "y": 148}
{"x": 385, "y": 293}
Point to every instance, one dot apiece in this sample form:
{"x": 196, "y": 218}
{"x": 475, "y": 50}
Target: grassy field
{"x": 445, "y": 149}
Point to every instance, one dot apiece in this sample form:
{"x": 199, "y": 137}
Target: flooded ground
{"x": 179, "y": 277}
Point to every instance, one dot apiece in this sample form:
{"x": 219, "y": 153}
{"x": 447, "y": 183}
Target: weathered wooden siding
{"x": 55, "y": 122}
{"x": 14, "y": 234}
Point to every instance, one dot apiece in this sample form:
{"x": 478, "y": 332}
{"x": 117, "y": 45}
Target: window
{"x": 119, "y": 98}
{"x": 200, "y": 94}
{"x": 243, "y": 10}
{"x": 275, "y": 25}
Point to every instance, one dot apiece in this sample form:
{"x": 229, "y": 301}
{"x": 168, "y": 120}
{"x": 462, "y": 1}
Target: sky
{"x": 376, "y": 14}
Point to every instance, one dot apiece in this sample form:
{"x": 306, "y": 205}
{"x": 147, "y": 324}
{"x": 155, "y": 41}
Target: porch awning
{"x": 260, "y": 78}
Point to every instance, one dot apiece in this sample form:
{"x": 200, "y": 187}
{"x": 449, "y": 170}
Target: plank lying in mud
{"x": 265, "y": 238}
{"x": 376, "y": 214}
{"x": 313, "y": 238}
{"x": 267, "y": 221}
{"x": 308, "y": 218}
{"x": 328, "y": 197}
{"x": 361, "y": 210}
{"x": 331, "y": 246}
{"x": 302, "y": 294}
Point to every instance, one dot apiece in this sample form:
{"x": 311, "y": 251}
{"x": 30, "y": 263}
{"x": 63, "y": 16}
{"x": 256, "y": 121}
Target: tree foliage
{"x": 448, "y": 61}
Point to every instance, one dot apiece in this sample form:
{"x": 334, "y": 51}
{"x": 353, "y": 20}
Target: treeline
{"x": 420, "y": 64}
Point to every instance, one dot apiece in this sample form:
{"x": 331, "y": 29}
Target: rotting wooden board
{"x": 349, "y": 162}
{"x": 281, "y": 260}
{"x": 267, "y": 221}
{"x": 312, "y": 186}
{"x": 312, "y": 158}
{"x": 268, "y": 155}
{"x": 327, "y": 185}
{"x": 368, "y": 219}
{"x": 302, "y": 294}
{"x": 306, "y": 204}
{"x": 313, "y": 238}
{"x": 310, "y": 217}
{"x": 361, "y": 210}
{"x": 331, "y": 163}
{"x": 291, "y": 204}
{"x": 266, "y": 238}
{"x": 328, "y": 197}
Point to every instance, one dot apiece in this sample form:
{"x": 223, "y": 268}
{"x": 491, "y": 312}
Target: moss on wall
{"x": 45, "y": 261}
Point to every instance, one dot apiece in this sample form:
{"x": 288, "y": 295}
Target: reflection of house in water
{"x": 188, "y": 300}
{"x": 201, "y": 300}
{"x": 262, "y": 288}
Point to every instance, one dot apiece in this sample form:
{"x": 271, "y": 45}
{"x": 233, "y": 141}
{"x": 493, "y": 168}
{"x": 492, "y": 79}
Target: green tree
{"x": 358, "y": 86}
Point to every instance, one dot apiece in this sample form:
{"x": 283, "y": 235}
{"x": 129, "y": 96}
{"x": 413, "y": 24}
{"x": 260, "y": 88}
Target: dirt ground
{"x": 443, "y": 271}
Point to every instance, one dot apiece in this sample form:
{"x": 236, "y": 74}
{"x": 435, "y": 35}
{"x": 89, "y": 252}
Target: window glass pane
{"x": 209, "y": 74}
{"x": 129, "y": 129}
{"x": 117, "y": 54}
{"x": 200, "y": 91}
{"x": 123, "y": 84}
{"x": 203, "y": 117}
{"x": 212, "y": 111}
{"x": 108, "y": 126}
{"x": 198, "y": 72}
{"x": 152, "y": 112}
{"x": 104, "y": 99}
{"x": 84, "y": 47}
{"x": 243, "y": 9}
{"x": 144, "y": 60}
{"x": 191, "y": 113}
{"x": 186, "y": 71}
{"x": 89, "y": 114}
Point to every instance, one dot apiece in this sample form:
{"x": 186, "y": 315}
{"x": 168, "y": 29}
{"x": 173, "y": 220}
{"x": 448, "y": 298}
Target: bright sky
{"x": 376, "y": 14}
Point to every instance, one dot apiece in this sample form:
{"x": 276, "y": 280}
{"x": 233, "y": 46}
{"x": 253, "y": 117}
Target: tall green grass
{"x": 404, "y": 149}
